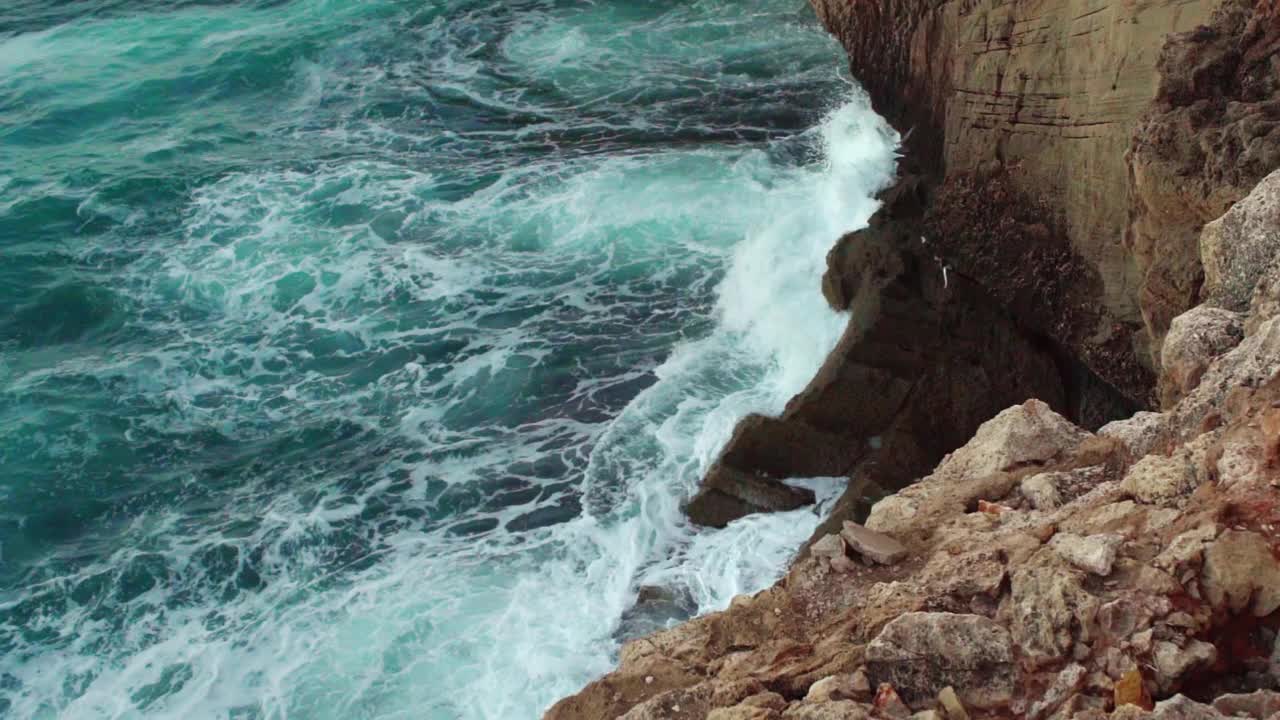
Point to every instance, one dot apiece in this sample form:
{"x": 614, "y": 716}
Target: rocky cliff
{"x": 1055, "y": 400}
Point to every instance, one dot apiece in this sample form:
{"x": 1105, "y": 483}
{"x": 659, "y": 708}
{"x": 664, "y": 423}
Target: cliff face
{"x": 1061, "y": 160}
{"x": 1081, "y": 218}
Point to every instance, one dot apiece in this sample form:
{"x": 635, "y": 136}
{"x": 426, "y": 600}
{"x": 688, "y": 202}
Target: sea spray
{"x": 360, "y": 370}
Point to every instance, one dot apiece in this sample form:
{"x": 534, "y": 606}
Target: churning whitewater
{"x": 358, "y": 354}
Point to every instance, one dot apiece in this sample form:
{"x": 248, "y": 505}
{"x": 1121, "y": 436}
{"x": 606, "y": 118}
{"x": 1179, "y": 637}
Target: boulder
{"x": 1093, "y": 553}
{"x": 1260, "y": 704}
{"x": 1239, "y": 248}
{"x": 728, "y": 494}
{"x": 1051, "y": 490}
{"x": 1157, "y": 479}
{"x": 1024, "y": 435}
{"x": 1173, "y": 663}
{"x": 874, "y": 546}
{"x": 1241, "y": 573}
{"x": 1046, "y": 602}
{"x": 921, "y": 653}
{"x": 1139, "y": 433}
{"x": 1195, "y": 339}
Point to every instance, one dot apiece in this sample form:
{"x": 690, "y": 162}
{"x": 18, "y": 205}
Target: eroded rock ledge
{"x": 1041, "y": 570}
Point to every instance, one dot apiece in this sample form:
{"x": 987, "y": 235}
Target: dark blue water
{"x": 355, "y": 356}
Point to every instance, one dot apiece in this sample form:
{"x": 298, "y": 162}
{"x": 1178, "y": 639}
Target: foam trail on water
{"x": 384, "y": 418}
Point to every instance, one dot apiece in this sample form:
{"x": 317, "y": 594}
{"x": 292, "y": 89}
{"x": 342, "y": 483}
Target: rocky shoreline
{"x": 1057, "y": 400}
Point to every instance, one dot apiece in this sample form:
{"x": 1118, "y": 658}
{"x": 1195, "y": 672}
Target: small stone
{"x": 1041, "y": 492}
{"x": 828, "y": 546}
{"x": 648, "y": 679}
{"x": 836, "y": 687}
{"x": 874, "y": 546}
{"x": 952, "y": 705}
{"x": 927, "y": 715}
{"x": 862, "y": 684}
{"x": 1064, "y": 686}
{"x": 889, "y": 705}
{"x": 991, "y": 508}
{"x": 1093, "y": 553}
{"x": 1130, "y": 690}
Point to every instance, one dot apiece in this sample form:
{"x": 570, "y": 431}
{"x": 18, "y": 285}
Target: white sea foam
{"x": 407, "y": 323}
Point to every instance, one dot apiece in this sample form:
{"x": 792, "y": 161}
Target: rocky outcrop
{"x": 1062, "y": 158}
{"x": 1040, "y": 570}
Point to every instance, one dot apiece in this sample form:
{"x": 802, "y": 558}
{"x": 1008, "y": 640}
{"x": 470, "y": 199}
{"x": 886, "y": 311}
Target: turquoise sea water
{"x": 355, "y": 356}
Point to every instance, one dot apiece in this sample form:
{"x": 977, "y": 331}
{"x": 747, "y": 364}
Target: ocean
{"x": 356, "y": 356}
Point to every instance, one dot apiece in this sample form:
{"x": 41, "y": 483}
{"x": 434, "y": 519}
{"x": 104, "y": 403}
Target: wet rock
{"x": 1139, "y": 433}
{"x": 1157, "y": 479}
{"x": 920, "y": 653}
{"x": 1195, "y": 339}
{"x": 1094, "y": 553}
{"x": 874, "y": 546}
{"x": 1174, "y": 663}
{"x": 728, "y": 494}
{"x": 1260, "y": 704}
{"x": 1241, "y": 572}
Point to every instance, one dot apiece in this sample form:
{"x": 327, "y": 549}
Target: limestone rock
{"x": 1180, "y": 707}
{"x": 1174, "y": 663}
{"x": 1045, "y": 603}
{"x": 1260, "y": 704}
{"x": 874, "y": 546}
{"x": 1241, "y": 246}
{"x": 952, "y": 705}
{"x": 743, "y": 712}
{"x": 1158, "y": 478}
{"x": 1186, "y": 549}
{"x": 1063, "y": 686}
{"x": 1241, "y": 572}
{"x": 1195, "y": 339}
{"x": 1139, "y": 433}
{"x": 1094, "y": 553}
{"x": 921, "y": 653}
{"x": 828, "y": 547}
{"x": 1022, "y": 435}
{"x": 836, "y": 687}
{"x": 837, "y": 710}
